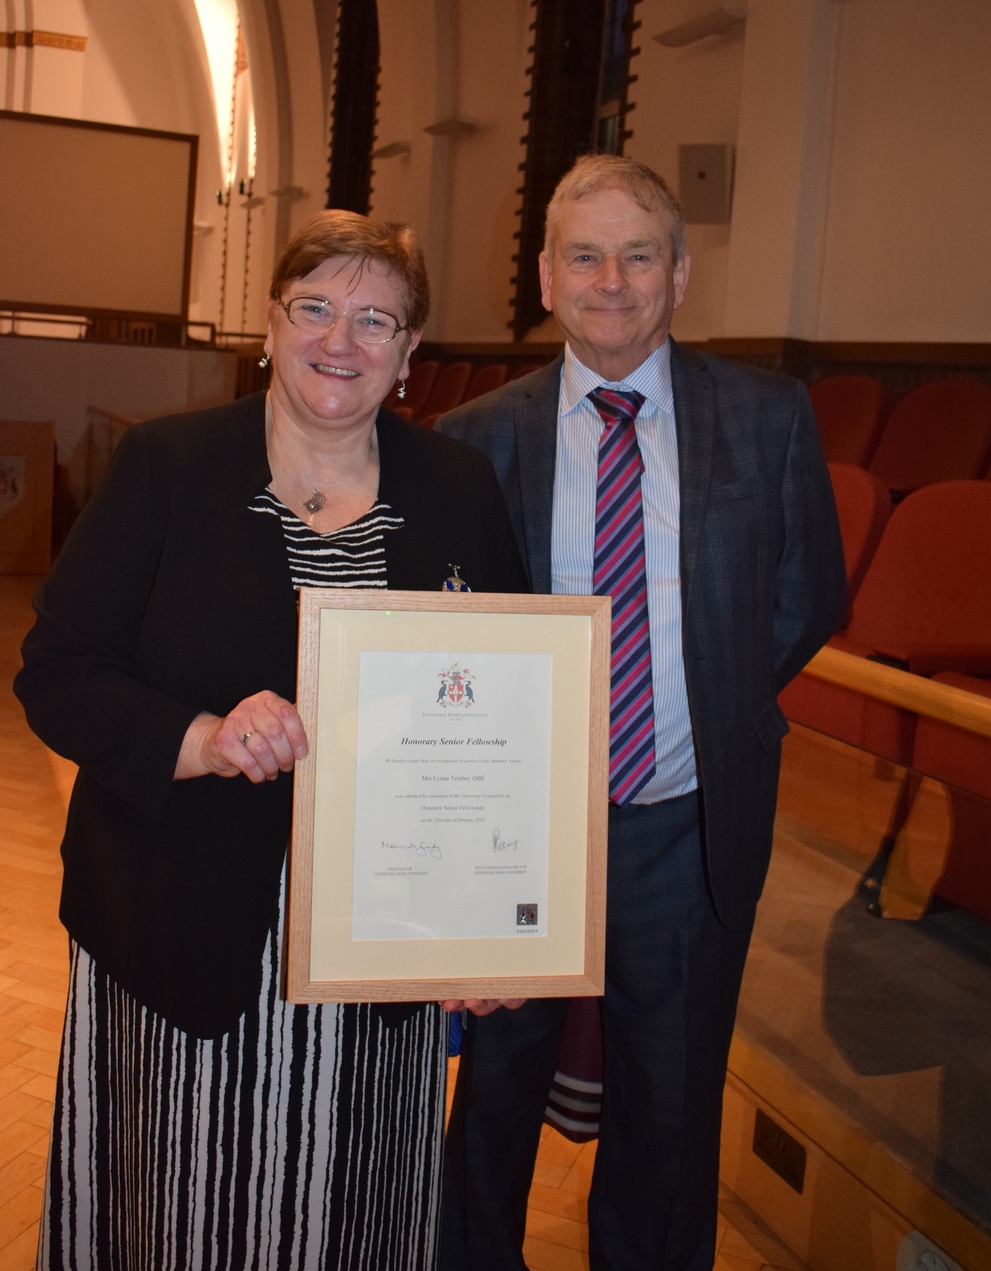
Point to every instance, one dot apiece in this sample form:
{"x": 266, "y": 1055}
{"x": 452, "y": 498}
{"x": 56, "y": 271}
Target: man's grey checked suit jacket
{"x": 762, "y": 577}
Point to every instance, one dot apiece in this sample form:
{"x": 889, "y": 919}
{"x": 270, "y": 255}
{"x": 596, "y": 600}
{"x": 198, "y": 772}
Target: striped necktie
{"x": 620, "y": 571}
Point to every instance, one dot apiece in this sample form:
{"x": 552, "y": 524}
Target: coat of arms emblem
{"x": 12, "y": 469}
{"x": 456, "y": 687}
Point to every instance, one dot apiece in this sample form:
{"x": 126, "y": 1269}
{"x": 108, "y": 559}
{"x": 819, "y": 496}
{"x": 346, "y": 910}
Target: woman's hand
{"x": 483, "y": 1006}
{"x": 261, "y": 737}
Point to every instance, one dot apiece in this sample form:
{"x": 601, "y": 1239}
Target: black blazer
{"x": 169, "y": 598}
{"x": 762, "y": 579}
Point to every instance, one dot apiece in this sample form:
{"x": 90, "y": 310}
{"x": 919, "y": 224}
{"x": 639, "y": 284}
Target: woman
{"x": 200, "y": 1121}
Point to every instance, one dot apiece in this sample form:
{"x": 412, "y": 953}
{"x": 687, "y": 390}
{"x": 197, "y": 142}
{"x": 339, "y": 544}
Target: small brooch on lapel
{"x": 454, "y": 583}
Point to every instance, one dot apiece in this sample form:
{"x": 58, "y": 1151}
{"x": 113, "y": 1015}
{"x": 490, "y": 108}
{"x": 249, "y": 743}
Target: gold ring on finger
{"x": 245, "y": 736}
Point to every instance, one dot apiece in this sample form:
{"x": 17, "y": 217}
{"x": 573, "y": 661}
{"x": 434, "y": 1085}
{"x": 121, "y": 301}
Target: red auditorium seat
{"x": 485, "y": 380}
{"x": 863, "y": 506}
{"x": 447, "y": 392}
{"x": 939, "y": 432}
{"x": 925, "y": 603}
{"x": 851, "y": 411}
{"x": 962, "y": 760}
{"x": 418, "y": 386}
{"x": 524, "y": 370}
{"x": 954, "y": 755}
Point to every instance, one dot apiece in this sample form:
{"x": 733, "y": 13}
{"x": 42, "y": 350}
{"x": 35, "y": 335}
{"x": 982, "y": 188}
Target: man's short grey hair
{"x": 594, "y": 172}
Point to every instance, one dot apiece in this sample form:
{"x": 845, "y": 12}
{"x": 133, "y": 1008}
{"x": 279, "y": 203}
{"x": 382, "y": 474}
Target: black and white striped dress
{"x": 309, "y": 1139}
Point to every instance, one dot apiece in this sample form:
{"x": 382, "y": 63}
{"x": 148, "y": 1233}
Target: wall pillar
{"x": 41, "y": 61}
{"x": 784, "y": 150}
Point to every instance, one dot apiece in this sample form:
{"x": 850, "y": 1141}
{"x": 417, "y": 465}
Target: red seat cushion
{"x": 926, "y": 599}
{"x": 526, "y": 369}
{"x": 962, "y": 760}
{"x": 841, "y": 712}
{"x": 851, "y": 411}
{"x": 448, "y": 390}
{"x": 939, "y": 432}
{"x": 926, "y": 596}
{"x": 954, "y": 755}
{"x": 485, "y": 380}
{"x": 863, "y": 505}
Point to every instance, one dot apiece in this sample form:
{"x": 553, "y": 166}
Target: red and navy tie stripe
{"x": 620, "y": 571}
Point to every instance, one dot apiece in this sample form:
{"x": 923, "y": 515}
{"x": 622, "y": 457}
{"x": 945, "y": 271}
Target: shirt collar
{"x": 652, "y": 378}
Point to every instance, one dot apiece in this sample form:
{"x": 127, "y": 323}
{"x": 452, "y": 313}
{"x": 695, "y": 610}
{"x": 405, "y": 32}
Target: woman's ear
{"x": 414, "y": 340}
{"x": 269, "y": 316}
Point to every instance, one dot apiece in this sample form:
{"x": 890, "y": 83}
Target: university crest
{"x": 456, "y": 687}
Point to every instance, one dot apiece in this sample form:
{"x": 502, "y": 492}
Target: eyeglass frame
{"x": 285, "y": 304}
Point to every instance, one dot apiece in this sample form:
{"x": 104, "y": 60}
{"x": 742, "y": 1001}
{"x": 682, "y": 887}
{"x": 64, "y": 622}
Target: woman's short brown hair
{"x": 338, "y": 233}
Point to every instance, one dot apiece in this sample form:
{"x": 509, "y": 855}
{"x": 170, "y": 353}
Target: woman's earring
{"x": 402, "y": 390}
{"x": 264, "y": 361}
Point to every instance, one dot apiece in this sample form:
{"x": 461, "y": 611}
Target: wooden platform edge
{"x": 862, "y": 1156}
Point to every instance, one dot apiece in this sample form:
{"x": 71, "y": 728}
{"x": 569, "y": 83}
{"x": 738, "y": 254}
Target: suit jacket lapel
{"x": 535, "y": 422}
{"x": 695, "y": 416}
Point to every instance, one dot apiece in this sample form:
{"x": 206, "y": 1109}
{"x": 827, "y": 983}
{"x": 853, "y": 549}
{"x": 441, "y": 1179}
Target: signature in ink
{"x": 499, "y": 844}
{"x": 420, "y": 849}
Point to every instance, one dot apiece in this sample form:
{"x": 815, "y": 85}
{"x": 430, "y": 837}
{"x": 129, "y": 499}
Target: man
{"x": 693, "y": 491}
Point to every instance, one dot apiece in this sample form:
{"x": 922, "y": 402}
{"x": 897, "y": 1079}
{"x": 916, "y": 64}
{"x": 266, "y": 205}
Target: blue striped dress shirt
{"x": 579, "y": 427}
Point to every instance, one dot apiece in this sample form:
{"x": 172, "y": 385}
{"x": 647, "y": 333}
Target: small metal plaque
{"x": 778, "y": 1149}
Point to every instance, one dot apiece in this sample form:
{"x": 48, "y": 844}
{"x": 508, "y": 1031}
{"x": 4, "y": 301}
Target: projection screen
{"x": 95, "y": 218}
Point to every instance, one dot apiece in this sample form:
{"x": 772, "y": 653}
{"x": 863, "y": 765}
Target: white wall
{"x": 44, "y": 80}
{"x": 862, "y": 204}
{"x": 863, "y": 188}
{"x": 908, "y": 244}
{"x": 687, "y": 96}
{"x": 774, "y": 269}
{"x": 442, "y": 58}
{"x": 479, "y": 262}
{"x": 58, "y": 379}
{"x": 144, "y": 65}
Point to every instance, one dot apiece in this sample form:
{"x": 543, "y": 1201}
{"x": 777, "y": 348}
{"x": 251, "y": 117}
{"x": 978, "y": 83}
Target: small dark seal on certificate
{"x": 526, "y": 915}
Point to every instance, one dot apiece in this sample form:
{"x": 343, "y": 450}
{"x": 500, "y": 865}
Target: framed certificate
{"x": 450, "y": 820}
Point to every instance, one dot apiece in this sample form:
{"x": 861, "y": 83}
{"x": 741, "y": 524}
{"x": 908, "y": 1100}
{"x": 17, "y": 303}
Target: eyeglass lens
{"x": 373, "y": 326}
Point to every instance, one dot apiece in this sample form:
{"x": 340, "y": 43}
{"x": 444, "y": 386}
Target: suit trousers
{"x": 673, "y": 975}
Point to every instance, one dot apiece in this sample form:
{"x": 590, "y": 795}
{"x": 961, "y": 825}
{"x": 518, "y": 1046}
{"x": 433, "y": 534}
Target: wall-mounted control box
{"x": 706, "y": 183}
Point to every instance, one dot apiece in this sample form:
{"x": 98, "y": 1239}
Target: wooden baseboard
{"x": 858, "y": 1200}
{"x": 776, "y": 348}
{"x": 868, "y": 351}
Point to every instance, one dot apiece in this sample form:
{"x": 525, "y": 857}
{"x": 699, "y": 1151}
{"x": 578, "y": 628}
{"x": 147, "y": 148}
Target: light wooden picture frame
{"x": 560, "y": 645}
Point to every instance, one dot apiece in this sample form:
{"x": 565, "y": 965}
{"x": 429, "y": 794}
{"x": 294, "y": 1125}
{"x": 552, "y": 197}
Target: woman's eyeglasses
{"x": 370, "y": 326}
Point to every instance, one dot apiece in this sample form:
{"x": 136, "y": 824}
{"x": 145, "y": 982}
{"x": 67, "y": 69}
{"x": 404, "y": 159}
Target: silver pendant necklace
{"x": 317, "y": 499}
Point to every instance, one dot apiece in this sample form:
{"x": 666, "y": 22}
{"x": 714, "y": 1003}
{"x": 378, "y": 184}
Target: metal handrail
{"x": 86, "y": 323}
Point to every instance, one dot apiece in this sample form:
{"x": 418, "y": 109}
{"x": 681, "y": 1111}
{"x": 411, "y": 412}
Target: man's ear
{"x": 544, "y": 265}
{"x": 680, "y": 279}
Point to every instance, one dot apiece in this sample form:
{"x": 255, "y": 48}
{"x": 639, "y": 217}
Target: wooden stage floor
{"x": 34, "y": 790}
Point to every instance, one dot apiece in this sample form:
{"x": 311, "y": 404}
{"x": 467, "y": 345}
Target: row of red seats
{"x": 432, "y": 389}
{"x": 939, "y": 432}
{"x": 919, "y": 580}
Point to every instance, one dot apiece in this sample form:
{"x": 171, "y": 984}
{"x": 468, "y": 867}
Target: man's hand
{"x": 481, "y": 1005}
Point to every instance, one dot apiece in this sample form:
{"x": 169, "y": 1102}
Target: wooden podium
{"x": 27, "y": 461}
